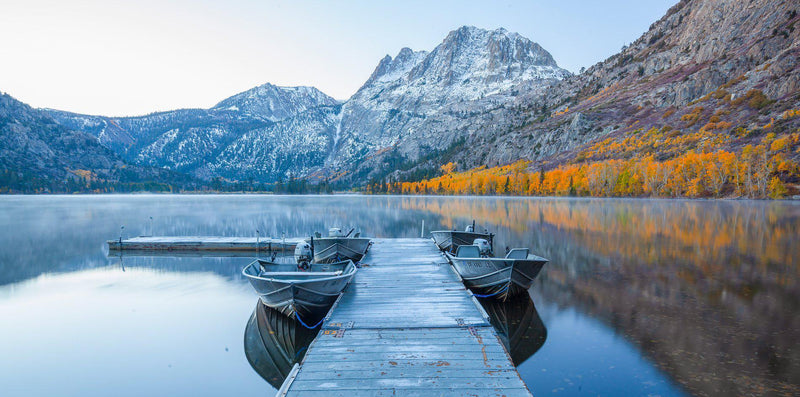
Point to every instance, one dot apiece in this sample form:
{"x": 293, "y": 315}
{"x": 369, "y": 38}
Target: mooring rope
{"x": 297, "y": 316}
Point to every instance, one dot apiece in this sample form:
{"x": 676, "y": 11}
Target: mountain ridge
{"x": 37, "y": 154}
{"x": 494, "y": 90}
{"x": 405, "y": 94}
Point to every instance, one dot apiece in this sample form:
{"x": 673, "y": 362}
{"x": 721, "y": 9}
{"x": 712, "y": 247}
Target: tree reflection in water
{"x": 706, "y": 289}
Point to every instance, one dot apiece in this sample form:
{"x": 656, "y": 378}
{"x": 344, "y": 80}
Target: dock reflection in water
{"x": 273, "y": 343}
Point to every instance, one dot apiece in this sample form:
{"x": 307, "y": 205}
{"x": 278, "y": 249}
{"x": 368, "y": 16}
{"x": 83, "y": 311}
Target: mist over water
{"x": 664, "y": 297}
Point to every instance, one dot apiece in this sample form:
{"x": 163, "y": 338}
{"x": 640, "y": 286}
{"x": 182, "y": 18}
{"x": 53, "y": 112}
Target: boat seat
{"x": 468, "y": 251}
{"x": 517, "y": 253}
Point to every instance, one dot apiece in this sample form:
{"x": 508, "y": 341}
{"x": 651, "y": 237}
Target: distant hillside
{"x": 236, "y": 139}
{"x": 39, "y": 155}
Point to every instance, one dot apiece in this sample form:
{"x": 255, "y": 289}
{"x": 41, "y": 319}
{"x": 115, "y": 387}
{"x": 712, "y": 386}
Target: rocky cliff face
{"x": 421, "y": 102}
{"x": 703, "y": 54}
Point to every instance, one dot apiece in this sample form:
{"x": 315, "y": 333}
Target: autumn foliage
{"x": 755, "y": 171}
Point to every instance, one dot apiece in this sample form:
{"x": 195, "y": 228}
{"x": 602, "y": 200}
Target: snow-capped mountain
{"x": 415, "y": 104}
{"x": 191, "y": 140}
{"x": 273, "y": 103}
{"x": 293, "y": 147}
{"x": 420, "y": 102}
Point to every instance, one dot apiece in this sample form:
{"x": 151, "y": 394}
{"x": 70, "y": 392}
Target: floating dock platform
{"x": 193, "y": 243}
{"x": 405, "y": 326}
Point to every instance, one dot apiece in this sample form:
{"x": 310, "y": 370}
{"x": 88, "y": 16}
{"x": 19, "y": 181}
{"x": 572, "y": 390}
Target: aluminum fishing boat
{"x": 339, "y": 246}
{"x": 450, "y": 240}
{"x": 302, "y": 290}
{"x": 487, "y": 276}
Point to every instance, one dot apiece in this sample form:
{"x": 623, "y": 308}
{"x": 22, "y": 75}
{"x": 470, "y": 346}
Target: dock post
{"x": 258, "y": 242}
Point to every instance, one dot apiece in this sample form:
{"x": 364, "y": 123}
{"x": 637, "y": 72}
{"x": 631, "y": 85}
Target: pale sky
{"x": 121, "y": 58}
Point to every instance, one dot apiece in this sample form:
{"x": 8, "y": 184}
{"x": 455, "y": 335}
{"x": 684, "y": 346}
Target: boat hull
{"x": 497, "y": 277}
{"x": 450, "y": 240}
{"x": 306, "y": 296}
{"x": 334, "y": 249}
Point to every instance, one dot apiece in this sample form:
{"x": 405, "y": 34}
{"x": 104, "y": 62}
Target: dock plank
{"x": 406, "y": 326}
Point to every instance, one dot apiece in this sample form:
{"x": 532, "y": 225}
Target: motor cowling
{"x": 302, "y": 255}
{"x": 335, "y": 232}
{"x": 483, "y": 246}
{"x": 470, "y": 229}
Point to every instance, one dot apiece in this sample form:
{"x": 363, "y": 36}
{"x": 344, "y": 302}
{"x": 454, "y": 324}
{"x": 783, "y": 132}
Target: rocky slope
{"x": 200, "y": 141}
{"x": 711, "y": 58}
{"x": 421, "y": 102}
{"x": 38, "y": 154}
{"x": 269, "y": 102}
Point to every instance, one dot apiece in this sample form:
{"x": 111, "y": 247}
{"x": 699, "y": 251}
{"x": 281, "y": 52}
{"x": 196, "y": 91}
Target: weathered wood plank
{"x": 406, "y": 326}
{"x": 504, "y": 392}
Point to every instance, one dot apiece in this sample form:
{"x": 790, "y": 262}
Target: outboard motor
{"x": 302, "y": 254}
{"x": 335, "y": 232}
{"x": 470, "y": 229}
{"x": 483, "y": 246}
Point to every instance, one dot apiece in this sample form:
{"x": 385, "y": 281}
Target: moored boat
{"x": 339, "y": 246}
{"x": 450, "y": 240}
{"x": 487, "y": 276}
{"x": 304, "y": 290}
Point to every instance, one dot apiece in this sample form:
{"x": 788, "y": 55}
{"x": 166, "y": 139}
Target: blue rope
{"x": 491, "y": 295}
{"x": 297, "y": 316}
{"x": 299, "y": 352}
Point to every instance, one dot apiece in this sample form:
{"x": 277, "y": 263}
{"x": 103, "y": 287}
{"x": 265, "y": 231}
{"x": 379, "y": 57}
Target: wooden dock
{"x": 405, "y": 326}
{"x": 194, "y": 243}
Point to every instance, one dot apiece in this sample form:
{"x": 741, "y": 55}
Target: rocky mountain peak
{"x": 390, "y": 69}
{"x": 273, "y": 103}
{"x": 470, "y": 54}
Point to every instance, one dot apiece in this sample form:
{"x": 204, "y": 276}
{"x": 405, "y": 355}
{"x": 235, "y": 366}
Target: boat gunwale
{"x": 294, "y": 282}
{"x": 495, "y": 259}
{"x": 507, "y": 268}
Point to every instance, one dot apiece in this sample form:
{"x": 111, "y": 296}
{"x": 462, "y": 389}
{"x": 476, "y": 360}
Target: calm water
{"x": 641, "y": 297}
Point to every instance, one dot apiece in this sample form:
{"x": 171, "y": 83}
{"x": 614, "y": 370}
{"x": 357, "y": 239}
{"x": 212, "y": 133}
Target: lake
{"x": 641, "y": 297}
